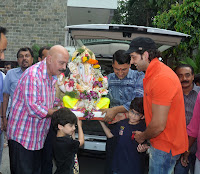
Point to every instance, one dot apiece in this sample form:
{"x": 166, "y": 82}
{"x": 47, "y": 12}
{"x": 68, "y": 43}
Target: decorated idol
{"x": 85, "y": 86}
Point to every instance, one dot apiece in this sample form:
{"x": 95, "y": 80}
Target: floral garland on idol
{"x": 87, "y": 90}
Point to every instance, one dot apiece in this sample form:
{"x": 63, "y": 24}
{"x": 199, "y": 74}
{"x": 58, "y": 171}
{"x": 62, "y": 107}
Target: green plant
{"x": 182, "y": 18}
{"x": 35, "y": 49}
{"x": 194, "y": 62}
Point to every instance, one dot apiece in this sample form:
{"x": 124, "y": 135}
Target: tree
{"x": 182, "y": 18}
{"x": 139, "y": 12}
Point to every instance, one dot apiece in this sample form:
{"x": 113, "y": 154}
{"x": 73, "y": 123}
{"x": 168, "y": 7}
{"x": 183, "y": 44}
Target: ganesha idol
{"x": 85, "y": 87}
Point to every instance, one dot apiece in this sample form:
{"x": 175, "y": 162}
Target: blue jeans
{"x": 197, "y": 166}
{"x": 179, "y": 169}
{"x": 161, "y": 162}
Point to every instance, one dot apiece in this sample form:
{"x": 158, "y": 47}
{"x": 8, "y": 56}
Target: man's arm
{"x": 157, "y": 124}
{"x": 1, "y": 109}
{"x": 31, "y": 91}
{"x": 112, "y": 112}
{"x": 5, "y": 106}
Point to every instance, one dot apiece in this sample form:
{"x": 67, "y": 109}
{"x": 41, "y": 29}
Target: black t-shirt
{"x": 127, "y": 159}
{"x": 65, "y": 149}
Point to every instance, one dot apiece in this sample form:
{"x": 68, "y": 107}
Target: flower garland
{"x": 88, "y": 97}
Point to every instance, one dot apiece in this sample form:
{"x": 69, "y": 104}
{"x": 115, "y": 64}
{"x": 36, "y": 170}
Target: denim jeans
{"x": 197, "y": 166}
{"x": 179, "y": 169}
{"x": 161, "y": 162}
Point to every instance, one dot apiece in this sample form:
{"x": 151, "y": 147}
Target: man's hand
{"x": 184, "y": 159}
{"x": 139, "y": 136}
{"x": 2, "y": 126}
{"x": 142, "y": 147}
{"x": 110, "y": 114}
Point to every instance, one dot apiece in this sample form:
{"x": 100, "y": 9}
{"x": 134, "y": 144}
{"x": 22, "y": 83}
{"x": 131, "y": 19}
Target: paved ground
{"x": 88, "y": 165}
{"x": 5, "y": 167}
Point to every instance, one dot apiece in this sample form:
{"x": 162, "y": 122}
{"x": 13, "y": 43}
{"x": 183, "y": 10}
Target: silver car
{"x": 104, "y": 40}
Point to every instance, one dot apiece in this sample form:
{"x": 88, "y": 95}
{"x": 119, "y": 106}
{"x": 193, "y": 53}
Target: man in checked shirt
{"x": 185, "y": 74}
{"x": 33, "y": 99}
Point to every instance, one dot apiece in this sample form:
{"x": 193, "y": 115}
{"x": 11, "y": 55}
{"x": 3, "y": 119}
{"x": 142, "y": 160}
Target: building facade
{"x": 42, "y": 22}
{"x": 32, "y": 22}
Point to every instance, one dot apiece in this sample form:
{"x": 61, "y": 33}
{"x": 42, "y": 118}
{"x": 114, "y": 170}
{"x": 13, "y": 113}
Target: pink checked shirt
{"x": 193, "y": 129}
{"x": 34, "y": 95}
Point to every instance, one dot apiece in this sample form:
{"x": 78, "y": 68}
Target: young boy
{"x": 65, "y": 146}
{"x": 127, "y": 158}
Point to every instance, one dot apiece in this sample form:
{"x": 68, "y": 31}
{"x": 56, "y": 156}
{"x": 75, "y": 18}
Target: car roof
{"x": 119, "y": 36}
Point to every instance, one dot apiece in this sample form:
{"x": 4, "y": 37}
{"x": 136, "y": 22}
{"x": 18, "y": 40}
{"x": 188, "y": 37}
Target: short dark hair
{"x": 43, "y": 48}
{"x": 153, "y": 53}
{"x": 197, "y": 78}
{"x": 137, "y": 105}
{"x": 9, "y": 63}
{"x": 3, "y": 30}
{"x": 62, "y": 117}
{"x": 184, "y": 66}
{"x": 25, "y": 49}
{"x": 121, "y": 57}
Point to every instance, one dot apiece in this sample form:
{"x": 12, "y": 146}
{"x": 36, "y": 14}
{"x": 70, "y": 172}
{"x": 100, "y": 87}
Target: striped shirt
{"x": 34, "y": 95}
{"x": 123, "y": 91}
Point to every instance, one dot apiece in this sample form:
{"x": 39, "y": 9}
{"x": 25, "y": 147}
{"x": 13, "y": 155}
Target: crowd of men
{"x": 171, "y": 107}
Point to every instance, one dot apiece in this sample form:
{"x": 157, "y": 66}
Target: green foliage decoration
{"x": 80, "y": 50}
{"x": 72, "y": 94}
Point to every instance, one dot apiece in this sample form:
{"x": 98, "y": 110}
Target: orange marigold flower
{"x": 73, "y": 58}
{"x": 92, "y": 61}
{"x": 100, "y": 79}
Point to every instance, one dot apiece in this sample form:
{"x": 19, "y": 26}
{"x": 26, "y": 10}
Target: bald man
{"x": 33, "y": 99}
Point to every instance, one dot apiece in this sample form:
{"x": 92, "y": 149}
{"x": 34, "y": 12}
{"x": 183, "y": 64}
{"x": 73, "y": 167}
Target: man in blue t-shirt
{"x": 3, "y": 46}
{"x": 123, "y": 85}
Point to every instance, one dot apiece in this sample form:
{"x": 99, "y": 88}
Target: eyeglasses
{"x": 135, "y": 113}
{"x": 26, "y": 56}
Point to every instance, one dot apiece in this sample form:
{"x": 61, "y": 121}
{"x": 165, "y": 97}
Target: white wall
{"x": 109, "y": 4}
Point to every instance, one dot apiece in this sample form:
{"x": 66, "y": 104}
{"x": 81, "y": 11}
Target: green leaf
{"x": 72, "y": 94}
{"x": 80, "y": 50}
